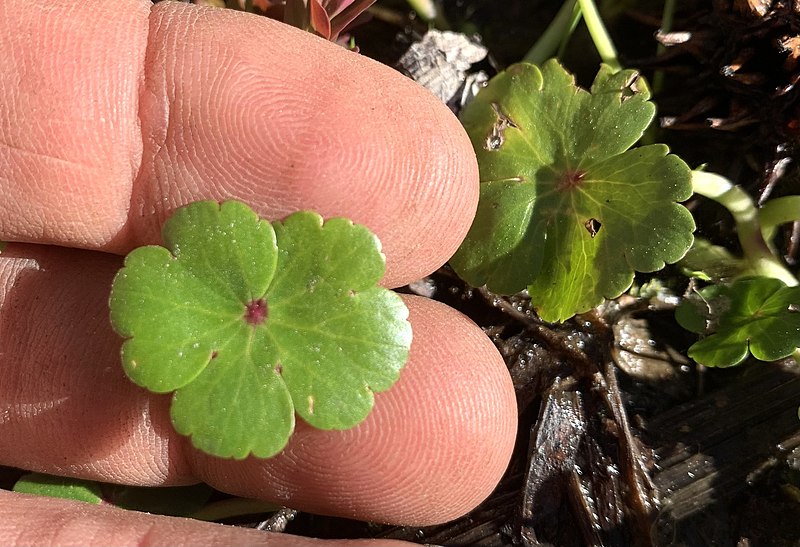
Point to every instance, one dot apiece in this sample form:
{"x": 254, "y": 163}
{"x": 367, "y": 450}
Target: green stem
{"x": 426, "y": 9}
{"x": 776, "y": 212}
{"x": 577, "y": 15}
{"x": 600, "y": 37}
{"x": 667, "y": 18}
{"x": 556, "y": 33}
{"x": 756, "y": 251}
{"x": 234, "y": 507}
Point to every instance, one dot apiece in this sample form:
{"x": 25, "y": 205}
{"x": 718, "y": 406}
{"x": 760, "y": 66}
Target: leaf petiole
{"x": 556, "y": 34}
{"x": 600, "y": 37}
{"x": 426, "y": 9}
{"x": 778, "y": 211}
{"x": 233, "y": 507}
{"x": 760, "y": 258}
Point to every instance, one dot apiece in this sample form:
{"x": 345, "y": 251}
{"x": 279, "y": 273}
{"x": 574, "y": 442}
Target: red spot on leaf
{"x": 256, "y": 312}
{"x": 571, "y": 179}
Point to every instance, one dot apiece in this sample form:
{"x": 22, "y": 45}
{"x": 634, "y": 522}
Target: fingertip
{"x": 34, "y": 520}
{"x": 434, "y": 447}
{"x": 253, "y": 118}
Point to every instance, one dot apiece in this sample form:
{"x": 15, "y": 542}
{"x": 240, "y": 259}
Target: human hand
{"x": 113, "y": 115}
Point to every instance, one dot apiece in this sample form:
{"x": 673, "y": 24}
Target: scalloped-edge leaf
{"x": 249, "y": 322}
{"x": 566, "y": 209}
{"x": 758, "y": 316}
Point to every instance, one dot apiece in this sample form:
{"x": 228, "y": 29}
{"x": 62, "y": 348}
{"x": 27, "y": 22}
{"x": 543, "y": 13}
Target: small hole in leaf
{"x": 794, "y": 308}
{"x": 496, "y": 137}
{"x": 592, "y": 226}
{"x": 633, "y": 87}
{"x": 570, "y": 179}
{"x": 256, "y": 312}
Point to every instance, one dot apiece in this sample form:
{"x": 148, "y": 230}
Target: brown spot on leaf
{"x": 632, "y": 87}
{"x": 496, "y": 136}
{"x": 592, "y": 226}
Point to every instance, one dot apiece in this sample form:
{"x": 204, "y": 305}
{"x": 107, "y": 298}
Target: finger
{"x": 434, "y": 446}
{"x": 32, "y": 520}
{"x": 159, "y": 109}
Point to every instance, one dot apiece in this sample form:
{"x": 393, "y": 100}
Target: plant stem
{"x": 602, "y": 41}
{"x": 756, "y": 251}
{"x": 776, "y": 212}
{"x": 556, "y": 33}
{"x": 234, "y": 507}
{"x": 667, "y": 18}
{"x": 426, "y": 9}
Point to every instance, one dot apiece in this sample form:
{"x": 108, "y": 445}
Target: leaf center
{"x": 256, "y": 311}
{"x": 571, "y": 178}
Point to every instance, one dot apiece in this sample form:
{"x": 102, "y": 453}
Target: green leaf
{"x": 59, "y": 487}
{"x": 711, "y": 262}
{"x": 757, "y": 315}
{"x": 249, "y": 322}
{"x": 566, "y": 209}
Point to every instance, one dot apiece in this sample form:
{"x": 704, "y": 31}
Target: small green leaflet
{"x": 179, "y": 501}
{"x": 566, "y": 209}
{"x": 249, "y": 322}
{"x": 758, "y": 315}
{"x": 59, "y": 487}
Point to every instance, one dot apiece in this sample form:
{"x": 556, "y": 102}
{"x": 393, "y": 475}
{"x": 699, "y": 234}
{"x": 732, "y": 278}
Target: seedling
{"x": 757, "y": 315}
{"x": 249, "y": 321}
{"x": 755, "y": 305}
{"x": 327, "y": 18}
{"x": 567, "y": 209}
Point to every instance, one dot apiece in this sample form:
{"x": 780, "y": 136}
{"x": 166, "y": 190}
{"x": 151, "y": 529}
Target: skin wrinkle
{"x": 119, "y": 435}
{"x": 61, "y": 145}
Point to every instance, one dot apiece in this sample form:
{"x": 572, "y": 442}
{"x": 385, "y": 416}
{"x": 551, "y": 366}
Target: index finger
{"x": 115, "y": 114}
